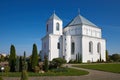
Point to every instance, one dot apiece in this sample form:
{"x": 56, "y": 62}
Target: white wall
{"x": 60, "y": 29}
{"x": 45, "y": 47}
{"x": 78, "y": 42}
{"x": 73, "y": 30}
{"x": 67, "y": 47}
{"x": 91, "y": 31}
{"x": 92, "y": 57}
{"x": 52, "y": 27}
{"x": 54, "y": 51}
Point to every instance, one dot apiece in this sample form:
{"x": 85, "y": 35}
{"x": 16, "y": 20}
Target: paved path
{"x": 93, "y": 75}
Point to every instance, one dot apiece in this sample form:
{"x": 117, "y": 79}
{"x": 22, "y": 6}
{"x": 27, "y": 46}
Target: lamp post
{"x": 2, "y": 69}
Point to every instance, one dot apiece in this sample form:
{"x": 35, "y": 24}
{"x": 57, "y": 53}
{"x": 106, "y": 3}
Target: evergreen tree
{"x": 107, "y": 56}
{"x": 46, "y": 63}
{"x": 24, "y": 75}
{"x": 34, "y": 57}
{"x": 20, "y": 64}
{"x": 76, "y": 57}
{"x": 12, "y": 58}
{"x": 24, "y": 62}
{"x": 17, "y": 64}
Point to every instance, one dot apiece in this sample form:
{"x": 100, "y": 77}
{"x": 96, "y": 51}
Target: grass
{"x": 67, "y": 72}
{"x": 113, "y": 67}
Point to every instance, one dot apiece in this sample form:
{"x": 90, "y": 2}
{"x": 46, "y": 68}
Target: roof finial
{"x": 78, "y": 11}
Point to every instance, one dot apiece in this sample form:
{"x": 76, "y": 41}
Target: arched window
{"x": 91, "y": 47}
{"x": 57, "y": 26}
{"x": 72, "y": 48}
{"x": 99, "y": 48}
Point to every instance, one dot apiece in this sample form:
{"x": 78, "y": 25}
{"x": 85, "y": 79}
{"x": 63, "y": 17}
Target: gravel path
{"x": 93, "y": 75}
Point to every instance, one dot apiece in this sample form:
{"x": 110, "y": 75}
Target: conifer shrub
{"x": 46, "y": 66}
{"x": 57, "y": 62}
{"x": 36, "y": 69}
{"x": 1, "y": 78}
{"x": 24, "y": 75}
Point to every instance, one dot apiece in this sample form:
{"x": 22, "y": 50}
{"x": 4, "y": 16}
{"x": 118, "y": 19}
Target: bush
{"x": 46, "y": 66}
{"x": 71, "y": 61}
{"x": 57, "y": 62}
{"x": 36, "y": 69}
{"x": 7, "y": 69}
{"x": 1, "y": 78}
{"x": 24, "y": 75}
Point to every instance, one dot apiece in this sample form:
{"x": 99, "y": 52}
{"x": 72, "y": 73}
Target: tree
{"x": 2, "y": 58}
{"x": 24, "y": 75}
{"x": 115, "y": 57}
{"x": 7, "y": 69}
{"x": 20, "y": 64}
{"x": 12, "y": 58}
{"x": 17, "y": 64}
{"x": 34, "y": 57}
{"x": 24, "y": 62}
{"x": 107, "y": 56}
{"x": 46, "y": 63}
{"x": 80, "y": 58}
{"x": 57, "y": 62}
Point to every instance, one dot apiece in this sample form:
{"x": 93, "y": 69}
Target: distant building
{"x": 4, "y": 55}
{"x": 79, "y": 39}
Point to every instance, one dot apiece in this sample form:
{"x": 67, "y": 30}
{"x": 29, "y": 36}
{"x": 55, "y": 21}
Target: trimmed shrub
{"x": 7, "y": 69}
{"x": 57, "y": 62}
{"x": 1, "y": 78}
{"x": 36, "y": 69}
{"x": 46, "y": 66}
{"x": 24, "y": 75}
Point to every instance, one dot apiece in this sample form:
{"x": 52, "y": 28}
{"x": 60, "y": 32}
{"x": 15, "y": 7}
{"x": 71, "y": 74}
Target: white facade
{"x": 79, "y": 38}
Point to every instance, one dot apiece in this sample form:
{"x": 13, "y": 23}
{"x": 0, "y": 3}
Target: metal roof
{"x": 80, "y": 20}
{"x": 54, "y": 16}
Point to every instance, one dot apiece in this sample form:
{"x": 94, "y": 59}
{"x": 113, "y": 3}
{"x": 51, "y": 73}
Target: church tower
{"x": 54, "y": 25}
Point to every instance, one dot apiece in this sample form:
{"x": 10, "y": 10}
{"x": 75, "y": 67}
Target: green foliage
{"x": 107, "y": 56}
{"x": 1, "y": 78}
{"x": 24, "y": 75}
{"x": 78, "y": 58}
{"x": 7, "y": 69}
{"x": 12, "y": 58}
{"x": 60, "y": 70}
{"x": 67, "y": 72}
{"x": 20, "y": 64}
{"x": 2, "y": 58}
{"x": 36, "y": 69}
{"x": 34, "y": 57}
{"x": 46, "y": 66}
{"x": 57, "y": 62}
{"x": 103, "y": 67}
{"x": 17, "y": 64}
{"x": 24, "y": 62}
{"x": 115, "y": 57}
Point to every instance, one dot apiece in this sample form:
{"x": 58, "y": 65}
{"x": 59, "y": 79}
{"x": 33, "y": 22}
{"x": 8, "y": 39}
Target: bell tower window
{"x": 57, "y": 26}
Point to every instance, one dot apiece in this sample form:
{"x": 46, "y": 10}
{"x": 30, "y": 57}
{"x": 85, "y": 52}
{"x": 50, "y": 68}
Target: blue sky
{"x": 22, "y": 22}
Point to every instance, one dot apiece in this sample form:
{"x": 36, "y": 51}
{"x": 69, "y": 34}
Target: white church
{"x": 79, "y": 39}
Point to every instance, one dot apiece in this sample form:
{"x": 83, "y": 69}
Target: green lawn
{"x": 67, "y": 72}
{"x": 114, "y": 67}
